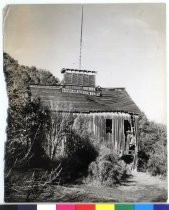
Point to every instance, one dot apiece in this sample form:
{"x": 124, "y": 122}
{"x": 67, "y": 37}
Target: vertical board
{"x": 68, "y": 78}
{"x": 80, "y": 79}
{"x": 75, "y": 79}
{"x": 86, "y": 80}
{"x": 92, "y": 80}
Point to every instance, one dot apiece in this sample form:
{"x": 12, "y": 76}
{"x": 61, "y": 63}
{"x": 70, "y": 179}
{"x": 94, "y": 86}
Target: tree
{"x": 152, "y": 146}
{"x": 26, "y": 118}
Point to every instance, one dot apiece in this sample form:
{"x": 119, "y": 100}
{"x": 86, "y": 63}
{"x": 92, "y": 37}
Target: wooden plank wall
{"x": 79, "y": 79}
{"x": 95, "y": 123}
{"x": 116, "y": 139}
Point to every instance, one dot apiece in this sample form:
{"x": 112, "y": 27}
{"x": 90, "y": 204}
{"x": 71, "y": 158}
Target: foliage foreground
{"x": 44, "y": 151}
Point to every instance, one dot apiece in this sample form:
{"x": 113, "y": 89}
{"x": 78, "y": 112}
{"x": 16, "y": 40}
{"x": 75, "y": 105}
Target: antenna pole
{"x": 81, "y": 35}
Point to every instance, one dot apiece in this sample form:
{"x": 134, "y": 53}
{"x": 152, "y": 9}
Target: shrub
{"x": 30, "y": 186}
{"x": 107, "y": 169}
{"x": 157, "y": 164}
{"x": 24, "y": 147}
{"x": 27, "y": 120}
{"x": 79, "y": 153}
{"x": 152, "y": 155}
{"x": 70, "y": 145}
{"x": 142, "y": 164}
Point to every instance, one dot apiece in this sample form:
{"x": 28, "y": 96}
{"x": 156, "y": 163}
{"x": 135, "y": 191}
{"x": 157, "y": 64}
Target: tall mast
{"x": 81, "y": 36}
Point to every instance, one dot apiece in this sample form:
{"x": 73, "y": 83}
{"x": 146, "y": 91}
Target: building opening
{"x": 108, "y": 125}
{"x": 127, "y": 127}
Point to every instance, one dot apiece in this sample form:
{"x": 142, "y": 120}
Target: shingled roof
{"x": 112, "y": 100}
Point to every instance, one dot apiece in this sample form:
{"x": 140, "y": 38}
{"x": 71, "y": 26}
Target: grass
{"x": 140, "y": 187}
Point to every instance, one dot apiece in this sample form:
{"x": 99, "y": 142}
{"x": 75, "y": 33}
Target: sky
{"x": 124, "y": 43}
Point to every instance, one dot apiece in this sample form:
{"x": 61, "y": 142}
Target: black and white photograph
{"x": 87, "y": 114}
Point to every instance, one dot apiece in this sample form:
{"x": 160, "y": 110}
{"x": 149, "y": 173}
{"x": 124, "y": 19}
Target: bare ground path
{"x": 140, "y": 187}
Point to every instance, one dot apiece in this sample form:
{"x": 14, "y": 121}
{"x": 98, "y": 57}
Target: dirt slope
{"x": 141, "y": 187}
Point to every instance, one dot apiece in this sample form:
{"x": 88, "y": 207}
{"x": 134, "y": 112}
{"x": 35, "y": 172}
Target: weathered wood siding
{"x": 79, "y": 79}
{"x": 116, "y": 139}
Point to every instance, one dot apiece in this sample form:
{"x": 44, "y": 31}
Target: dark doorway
{"x": 108, "y": 125}
{"x": 127, "y": 127}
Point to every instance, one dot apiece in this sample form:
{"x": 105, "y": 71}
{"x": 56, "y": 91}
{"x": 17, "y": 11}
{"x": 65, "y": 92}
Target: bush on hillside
{"x": 152, "y": 147}
{"x": 107, "y": 170}
{"x": 24, "y": 146}
{"x": 79, "y": 153}
{"x": 157, "y": 164}
{"x": 27, "y": 120}
{"x": 72, "y": 146}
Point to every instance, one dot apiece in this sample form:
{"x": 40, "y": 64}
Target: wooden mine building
{"x": 111, "y": 111}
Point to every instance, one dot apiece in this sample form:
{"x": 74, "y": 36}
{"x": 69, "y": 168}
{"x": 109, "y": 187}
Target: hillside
{"x": 19, "y": 77}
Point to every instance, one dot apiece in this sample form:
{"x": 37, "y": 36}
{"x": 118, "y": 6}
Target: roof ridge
{"x": 77, "y": 70}
{"x": 113, "y": 88}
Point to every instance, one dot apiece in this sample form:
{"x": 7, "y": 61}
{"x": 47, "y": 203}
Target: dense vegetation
{"x": 36, "y": 139}
{"x": 107, "y": 169}
{"x": 26, "y": 118}
{"x": 30, "y": 126}
{"x": 152, "y": 147}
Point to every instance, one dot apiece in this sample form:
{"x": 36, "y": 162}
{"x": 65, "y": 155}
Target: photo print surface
{"x": 87, "y": 103}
